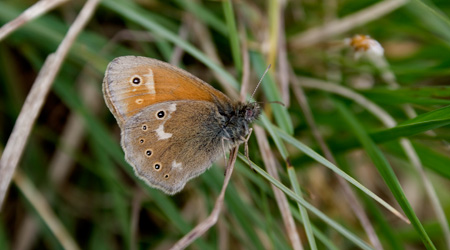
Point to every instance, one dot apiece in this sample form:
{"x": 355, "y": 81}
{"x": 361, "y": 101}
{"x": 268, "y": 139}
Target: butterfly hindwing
{"x": 172, "y": 142}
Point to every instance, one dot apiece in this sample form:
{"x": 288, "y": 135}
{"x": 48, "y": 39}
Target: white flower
{"x": 364, "y": 45}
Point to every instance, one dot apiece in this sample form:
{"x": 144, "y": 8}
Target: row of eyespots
{"x": 158, "y": 167}
{"x": 159, "y": 115}
{"x": 149, "y": 152}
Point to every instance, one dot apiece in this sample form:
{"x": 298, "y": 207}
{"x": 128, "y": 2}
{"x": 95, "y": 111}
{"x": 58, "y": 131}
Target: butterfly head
{"x": 249, "y": 111}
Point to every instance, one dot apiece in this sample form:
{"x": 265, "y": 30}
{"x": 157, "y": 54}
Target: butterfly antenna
{"x": 260, "y": 80}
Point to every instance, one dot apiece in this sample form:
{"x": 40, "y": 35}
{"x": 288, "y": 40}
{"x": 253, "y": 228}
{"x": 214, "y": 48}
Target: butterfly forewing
{"x": 132, "y": 83}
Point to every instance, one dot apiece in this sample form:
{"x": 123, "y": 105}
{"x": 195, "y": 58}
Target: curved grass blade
{"x": 423, "y": 95}
{"x": 302, "y": 210}
{"x": 386, "y": 172}
{"x": 311, "y": 153}
{"x": 346, "y": 233}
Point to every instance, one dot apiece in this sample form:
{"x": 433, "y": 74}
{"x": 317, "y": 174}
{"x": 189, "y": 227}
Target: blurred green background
{"x": 73, "y": 156}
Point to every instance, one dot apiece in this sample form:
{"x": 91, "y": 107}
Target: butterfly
{"x": 173, "y": 125}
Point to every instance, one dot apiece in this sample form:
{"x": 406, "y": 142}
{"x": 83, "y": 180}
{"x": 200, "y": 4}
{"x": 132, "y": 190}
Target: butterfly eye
{"x": 144, "y": 127}
{"x": 148, "y": 152}
{"x": 160, "y": 114}
{"x": 136, "y": 80}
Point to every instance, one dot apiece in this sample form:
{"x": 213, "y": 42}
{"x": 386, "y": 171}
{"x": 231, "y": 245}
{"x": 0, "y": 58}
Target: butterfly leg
{"x": 246, "y": 148}
{"x": 224, "y": 153}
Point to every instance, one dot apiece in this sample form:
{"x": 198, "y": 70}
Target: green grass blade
{"x": 272, "y": 93}
{"x": 302, "y": 210}
{"x": 311, "y": 153}
{"x": 233, "y": 34}
{"x": 386, "y": 172}
{"x": 274, "y": 135}
{"x": 420, "y": 95}
{"x": 346, "y": 233}
{"x": 204, "y": 14}
{"x": 432, "y": 17}
{"x": 421, "y": 123}
{"x": 140, "y": 16}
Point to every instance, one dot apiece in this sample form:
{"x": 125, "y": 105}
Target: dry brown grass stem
{"x": 340, "y": 26}
{"x": 282, "y": 69}
{"x": 74, "y": 131}
{"x": 203, "y": 37}
{"x": 61, "y": 163}
{"x": 178, "y": 52}
{"x": 348, "y": 192}
{"x": 245, "y": 81}
{"x": 35, "y": 99}
{"x": 205, "y": 225}
{"x": 373, "y": 108}
{"x": 31, "y": 13}
{"x": 44, "y": 210}
{"x": 28, "y": 233}
{"x": 280, "y": 197}
{"x": 209, "y": 48}
{"x": 136, "y": 205}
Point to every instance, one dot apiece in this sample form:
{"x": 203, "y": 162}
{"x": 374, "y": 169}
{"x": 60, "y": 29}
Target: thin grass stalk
{"x": 348, "y": 192}
{"x": 346, "y": 233}
{"x": 136, "y": 205}
{"x": 390, "y": 78}
{"x": 204, "y": 15}
{"x": 340, "y": 26}
{"x": 38, "y": 9}
{"x": 233, "y": 34}
{"x": 270, "y": 163}
{"x": 205, "y": 225}
{"x": 44, "y": 210}
{"x": 311, "y": 153}
{"x": 204, "y": 39}
{"x": 35, "y": 99}
{"x": 60, "y": 164}
{"x": 389, "y": 122}
{"x": 387, "y": 173}
{"x": 302, "y": 210}
{"x": 132, "y": 12}
{"x": 178, "y": 52}
{"x": 245, "y": 80}
{"x": 283, "y": 64}
{"x": 274, "y": 13}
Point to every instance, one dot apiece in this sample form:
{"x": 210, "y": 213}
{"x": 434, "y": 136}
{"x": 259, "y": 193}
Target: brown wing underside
{"x": 183, "y": 144}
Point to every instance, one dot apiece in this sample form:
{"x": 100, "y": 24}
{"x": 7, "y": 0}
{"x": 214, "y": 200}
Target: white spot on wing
{"x": 150, "y": 83}
{"x": 172, "y": 107}
{"x": 161, "y": 134}
{"x": 176, "y": 164}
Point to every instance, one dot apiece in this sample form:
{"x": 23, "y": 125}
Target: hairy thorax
{"x": 235, "y": 121}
